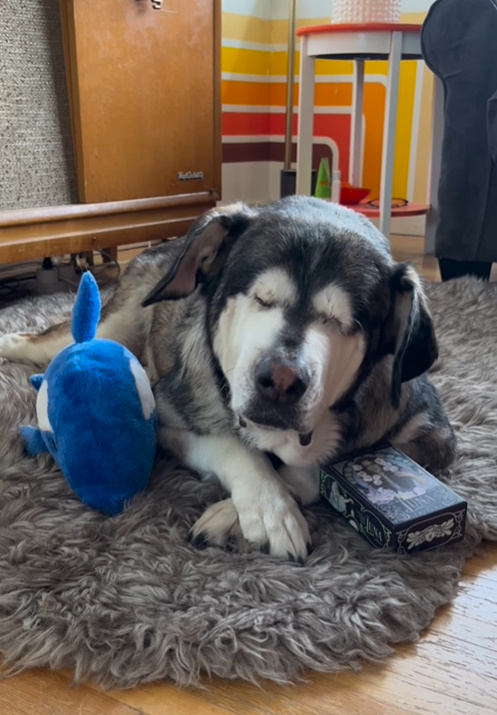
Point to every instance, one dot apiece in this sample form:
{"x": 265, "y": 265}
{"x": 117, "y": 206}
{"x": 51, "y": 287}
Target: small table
{"x": 360, "y": 42}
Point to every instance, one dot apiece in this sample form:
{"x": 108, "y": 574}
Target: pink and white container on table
{"x": 361, "y": 11}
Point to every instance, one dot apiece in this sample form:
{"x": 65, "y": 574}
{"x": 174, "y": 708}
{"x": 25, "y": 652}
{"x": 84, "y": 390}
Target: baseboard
{"x": 409, "y": 226}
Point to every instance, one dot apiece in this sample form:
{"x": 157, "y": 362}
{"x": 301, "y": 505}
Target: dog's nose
{"x": 280, "y": 382}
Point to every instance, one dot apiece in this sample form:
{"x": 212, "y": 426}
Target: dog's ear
{"x": 410, "y": 333}
{"x": 204, "y": 251}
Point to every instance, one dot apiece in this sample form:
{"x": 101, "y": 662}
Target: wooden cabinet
{"x": 144, "y": 95}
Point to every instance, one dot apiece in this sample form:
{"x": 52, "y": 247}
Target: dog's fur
{"x": 276, "y": 338}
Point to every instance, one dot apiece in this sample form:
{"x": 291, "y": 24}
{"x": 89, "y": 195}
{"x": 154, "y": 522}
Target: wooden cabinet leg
{"x": 109, "y": 255}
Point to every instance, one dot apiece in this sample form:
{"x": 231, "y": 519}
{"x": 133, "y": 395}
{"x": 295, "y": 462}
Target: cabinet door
{"x": 144, "y": 95}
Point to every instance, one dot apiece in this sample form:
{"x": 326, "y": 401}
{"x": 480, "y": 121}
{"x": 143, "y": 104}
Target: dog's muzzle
{"x": 281, "y": 382}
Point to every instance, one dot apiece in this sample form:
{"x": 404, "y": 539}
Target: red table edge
{"x": 360, "y": 27}
{"x": 411, "y": 209}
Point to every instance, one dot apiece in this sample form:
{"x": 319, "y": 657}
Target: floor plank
{"x": 39, "y": 692}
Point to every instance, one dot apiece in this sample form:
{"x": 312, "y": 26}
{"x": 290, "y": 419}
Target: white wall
{"x": 317, "y": 8}
{"x": 416, "y": 5}
{"x": 279, "y": 9}
{"x": 251, "y": 8}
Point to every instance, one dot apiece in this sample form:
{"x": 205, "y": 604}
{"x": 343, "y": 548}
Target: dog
{"x": 276, "y": 338}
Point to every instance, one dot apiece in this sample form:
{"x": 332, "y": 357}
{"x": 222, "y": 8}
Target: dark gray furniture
{"x": 459, "y": 44}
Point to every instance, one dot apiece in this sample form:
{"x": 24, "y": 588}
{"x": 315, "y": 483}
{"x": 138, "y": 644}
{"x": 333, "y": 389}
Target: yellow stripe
{"x": 413, "y": 17}
{"x": 424, "y": 139}
{"x": 259, "y": 62}
{"x": 254, "y": 29}
{"x": 404, "y": 127}
{"x": 279, "y": 65}
{"x": 249, "y": 29}
{"x": 279, "y": 28}
{"x": 245, "y": 61}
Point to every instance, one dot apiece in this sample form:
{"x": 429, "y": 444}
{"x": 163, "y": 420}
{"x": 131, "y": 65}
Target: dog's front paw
{"x": 32, "y": 348}
{"x": 272, "y": 519}
{"x": 217, "y": 526}
{"x": 11, "y": 346}
{"x": 274, "y": 524}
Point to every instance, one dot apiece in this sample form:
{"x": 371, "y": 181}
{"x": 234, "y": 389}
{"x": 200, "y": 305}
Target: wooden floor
{"x": 451, "y": 671}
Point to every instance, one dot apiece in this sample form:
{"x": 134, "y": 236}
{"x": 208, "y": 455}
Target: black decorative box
{"x": 393, "y": 502}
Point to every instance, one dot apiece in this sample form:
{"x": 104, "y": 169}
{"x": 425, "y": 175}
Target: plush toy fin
{"x": 36, "y": 381}
{"x": 86, "y": 311}
{"x": 35, "y": 444}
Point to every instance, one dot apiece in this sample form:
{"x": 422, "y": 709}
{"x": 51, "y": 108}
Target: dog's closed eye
{"x": 265, "y": 302}
{"x": 273, "y": 289}
{"x": 331, "y": 321}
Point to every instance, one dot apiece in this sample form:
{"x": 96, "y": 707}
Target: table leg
{"x": 389, "y": 128}
{"x": 355, "y": 165}
{"x": 437, "y": 130}
{"x": 305, "y": 121}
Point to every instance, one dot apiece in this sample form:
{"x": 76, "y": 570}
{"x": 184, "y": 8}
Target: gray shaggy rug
{"x": 126, "y": 600}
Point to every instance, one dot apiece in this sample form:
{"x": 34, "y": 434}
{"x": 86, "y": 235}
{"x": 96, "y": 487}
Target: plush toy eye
{"x": 263, "y": 302}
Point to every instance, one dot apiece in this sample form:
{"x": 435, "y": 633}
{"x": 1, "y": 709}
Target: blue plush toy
{"x": 96, "y": 413}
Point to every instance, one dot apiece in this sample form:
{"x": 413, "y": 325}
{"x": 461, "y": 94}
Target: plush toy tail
{"x": 86, "y": 311}
{"x": 34, "y": 442}
{"x": 36, "y": 381}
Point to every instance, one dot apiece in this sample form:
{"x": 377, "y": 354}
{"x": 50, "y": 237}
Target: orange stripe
{"x": 334, "y": 95}
{"x": 374, "y": 111}
{"x": 266, "y": 93}
{"x": 250, "y": 93}
{"x": 325, "y": 95}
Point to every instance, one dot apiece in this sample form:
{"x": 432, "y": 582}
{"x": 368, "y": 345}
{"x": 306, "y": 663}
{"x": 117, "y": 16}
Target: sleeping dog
{"x": 276, "y": 338}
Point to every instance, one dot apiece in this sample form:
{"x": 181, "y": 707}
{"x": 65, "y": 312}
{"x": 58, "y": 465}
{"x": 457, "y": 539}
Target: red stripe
{"x": 360, "y": 27}
{"x": 251, "y": 123}
{"x": 333, "y": 126}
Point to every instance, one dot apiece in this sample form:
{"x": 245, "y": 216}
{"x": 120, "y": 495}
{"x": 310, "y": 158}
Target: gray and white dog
{"x": 276, "y": 338}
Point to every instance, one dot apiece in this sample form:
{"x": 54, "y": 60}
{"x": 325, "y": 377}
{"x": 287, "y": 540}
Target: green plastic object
{"x": 323, "y": 184}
